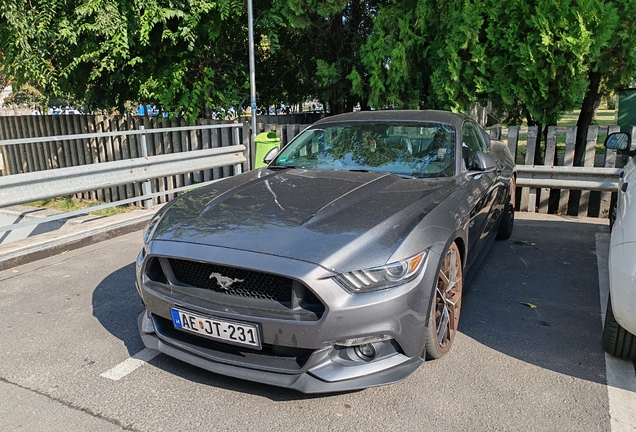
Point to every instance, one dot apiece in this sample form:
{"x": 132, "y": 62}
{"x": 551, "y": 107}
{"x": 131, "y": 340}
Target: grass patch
{"x": 522, "y": 144}
{"x": 71, "y": 204}
{"x": 604, "y": 117}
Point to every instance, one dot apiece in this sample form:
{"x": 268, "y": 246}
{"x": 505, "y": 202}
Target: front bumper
{"x": 299, "y": 354}
{"x": 303, "y": 382}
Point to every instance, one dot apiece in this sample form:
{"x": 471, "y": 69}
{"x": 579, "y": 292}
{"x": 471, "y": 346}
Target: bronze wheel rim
{"x": 448, "y": 297}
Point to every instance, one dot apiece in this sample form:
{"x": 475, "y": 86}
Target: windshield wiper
{"x": 282, "y": 167}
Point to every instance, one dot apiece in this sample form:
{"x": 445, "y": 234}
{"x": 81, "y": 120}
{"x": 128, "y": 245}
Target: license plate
{"x": 238, "y": 333}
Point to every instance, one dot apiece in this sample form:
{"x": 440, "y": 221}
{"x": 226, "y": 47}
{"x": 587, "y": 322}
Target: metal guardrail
{"x": 28, "y": 187}
{"x": 560, "y": 177}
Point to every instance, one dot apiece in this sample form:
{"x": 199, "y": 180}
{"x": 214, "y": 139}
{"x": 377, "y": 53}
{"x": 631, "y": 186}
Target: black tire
{"x": 616, "y": 340}
{"x": 446, "y": 303}
{"x": 612, "y": 212}
{"x": 508, "y": 217}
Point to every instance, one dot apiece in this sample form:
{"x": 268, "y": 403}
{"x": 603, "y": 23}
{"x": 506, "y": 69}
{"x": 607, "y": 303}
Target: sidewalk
{"x": 72, "y": 237}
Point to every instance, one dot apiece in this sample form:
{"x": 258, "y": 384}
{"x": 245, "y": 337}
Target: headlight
{"x": 386, "y": 276}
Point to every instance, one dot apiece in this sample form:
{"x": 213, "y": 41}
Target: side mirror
{"x": 618, "y": 141}
{"x": 484, "y": 162}
{"x": 271, "y": 155}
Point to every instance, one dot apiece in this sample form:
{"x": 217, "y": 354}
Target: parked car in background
{"x": 620, "y": 320}
{"x": 341, "y": 264}
{"x": 68, "y": 110}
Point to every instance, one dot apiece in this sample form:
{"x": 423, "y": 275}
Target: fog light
{"x": 366, "y": 351}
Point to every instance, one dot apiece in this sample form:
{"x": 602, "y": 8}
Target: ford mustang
{"x": 338, "y": 266}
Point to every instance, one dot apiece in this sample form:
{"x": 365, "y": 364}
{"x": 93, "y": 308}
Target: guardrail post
{"x": 146, "y": 187}
{"x": 238, "y": 169}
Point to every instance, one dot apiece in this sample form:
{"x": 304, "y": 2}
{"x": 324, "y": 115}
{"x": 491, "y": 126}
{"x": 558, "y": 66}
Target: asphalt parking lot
{"x": 528, "y": 356}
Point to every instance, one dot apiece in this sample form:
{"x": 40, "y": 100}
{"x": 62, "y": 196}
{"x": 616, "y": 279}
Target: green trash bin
{"x": 264, "y": 142}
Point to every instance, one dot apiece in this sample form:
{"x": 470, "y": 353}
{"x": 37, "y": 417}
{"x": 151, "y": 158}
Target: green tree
{"x": 531, "y": 58}
{"x": 184, "y": 55}
{"x": 611, "y": 60}
{"x": 424, "y": 53}
{"x": 320, "y": 43}
{"x": 536, "y": 67}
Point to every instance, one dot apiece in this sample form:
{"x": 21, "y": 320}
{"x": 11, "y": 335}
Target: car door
{"x": 623, "y": 230}
{"x": 484, "y": 194}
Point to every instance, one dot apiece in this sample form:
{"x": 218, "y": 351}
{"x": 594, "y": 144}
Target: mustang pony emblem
{"x": 223, "y": 281}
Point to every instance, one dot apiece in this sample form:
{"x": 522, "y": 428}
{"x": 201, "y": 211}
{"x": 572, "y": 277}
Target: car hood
{"x": 341, "y": 220}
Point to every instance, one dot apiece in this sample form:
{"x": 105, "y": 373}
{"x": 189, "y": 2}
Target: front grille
{"x": 246, "y": 283}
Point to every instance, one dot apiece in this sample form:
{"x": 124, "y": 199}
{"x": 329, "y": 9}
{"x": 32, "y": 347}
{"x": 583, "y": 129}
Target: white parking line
{"x": 621, "y": 378}
{"x": 130, "y": 364}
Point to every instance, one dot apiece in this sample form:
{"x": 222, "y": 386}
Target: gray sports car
{"x": 341, "y": 264}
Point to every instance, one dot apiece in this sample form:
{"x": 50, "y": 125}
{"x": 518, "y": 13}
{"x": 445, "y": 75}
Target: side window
{"x": 472, "y": 141}
{"x": 486, "y": 138}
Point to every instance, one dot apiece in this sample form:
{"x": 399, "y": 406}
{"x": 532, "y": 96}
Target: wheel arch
{"x": 461, "y": 245}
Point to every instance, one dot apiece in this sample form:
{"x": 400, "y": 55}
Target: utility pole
{"x": 252, "y": 67}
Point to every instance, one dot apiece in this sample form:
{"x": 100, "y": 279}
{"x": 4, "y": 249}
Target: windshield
{"x": 408, "y": 149}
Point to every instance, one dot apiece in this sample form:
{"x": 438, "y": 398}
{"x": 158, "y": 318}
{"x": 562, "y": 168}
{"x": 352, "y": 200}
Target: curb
{"x": 73, "y": 237}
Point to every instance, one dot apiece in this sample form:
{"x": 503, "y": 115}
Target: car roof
{"x": 396, "y": 116}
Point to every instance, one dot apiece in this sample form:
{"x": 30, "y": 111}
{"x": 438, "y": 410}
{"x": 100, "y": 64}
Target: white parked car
{"x": 620, "y": 321}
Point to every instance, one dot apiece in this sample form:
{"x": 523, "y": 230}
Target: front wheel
{"x": 616, "y": 340}
{"x": 446, "y": 305}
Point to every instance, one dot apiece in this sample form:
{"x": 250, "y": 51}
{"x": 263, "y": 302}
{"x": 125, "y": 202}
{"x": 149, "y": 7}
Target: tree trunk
{"x": 585, "y": 117}
{"x": 336, "y": 107}
{"x": 349, "y": 104}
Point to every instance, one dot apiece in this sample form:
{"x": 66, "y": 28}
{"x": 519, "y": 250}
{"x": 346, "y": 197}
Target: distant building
{"x": 11, "y": 111}
{"x": 4, "y": 93}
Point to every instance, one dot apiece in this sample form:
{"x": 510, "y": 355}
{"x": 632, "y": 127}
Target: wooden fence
{"x": 50, "y": 155}
{"x": 558, "y": 149}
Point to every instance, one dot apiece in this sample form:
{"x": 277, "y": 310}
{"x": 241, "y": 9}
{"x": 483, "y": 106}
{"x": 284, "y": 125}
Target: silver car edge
{"x": 619, "y": 331}
{"x": 341, "y": 264}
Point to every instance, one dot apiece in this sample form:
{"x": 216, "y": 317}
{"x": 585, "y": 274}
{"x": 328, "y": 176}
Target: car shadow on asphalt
{"x": 536, "y": 298}
{"x": 204, "y": 377}
{"x": 117, "y": 305}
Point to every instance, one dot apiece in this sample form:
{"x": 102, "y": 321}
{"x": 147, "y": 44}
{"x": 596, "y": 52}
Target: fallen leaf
{"x": 15, "y": 271}
{"x": 64, "y": 252}
{"x": 530, "y": 305}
